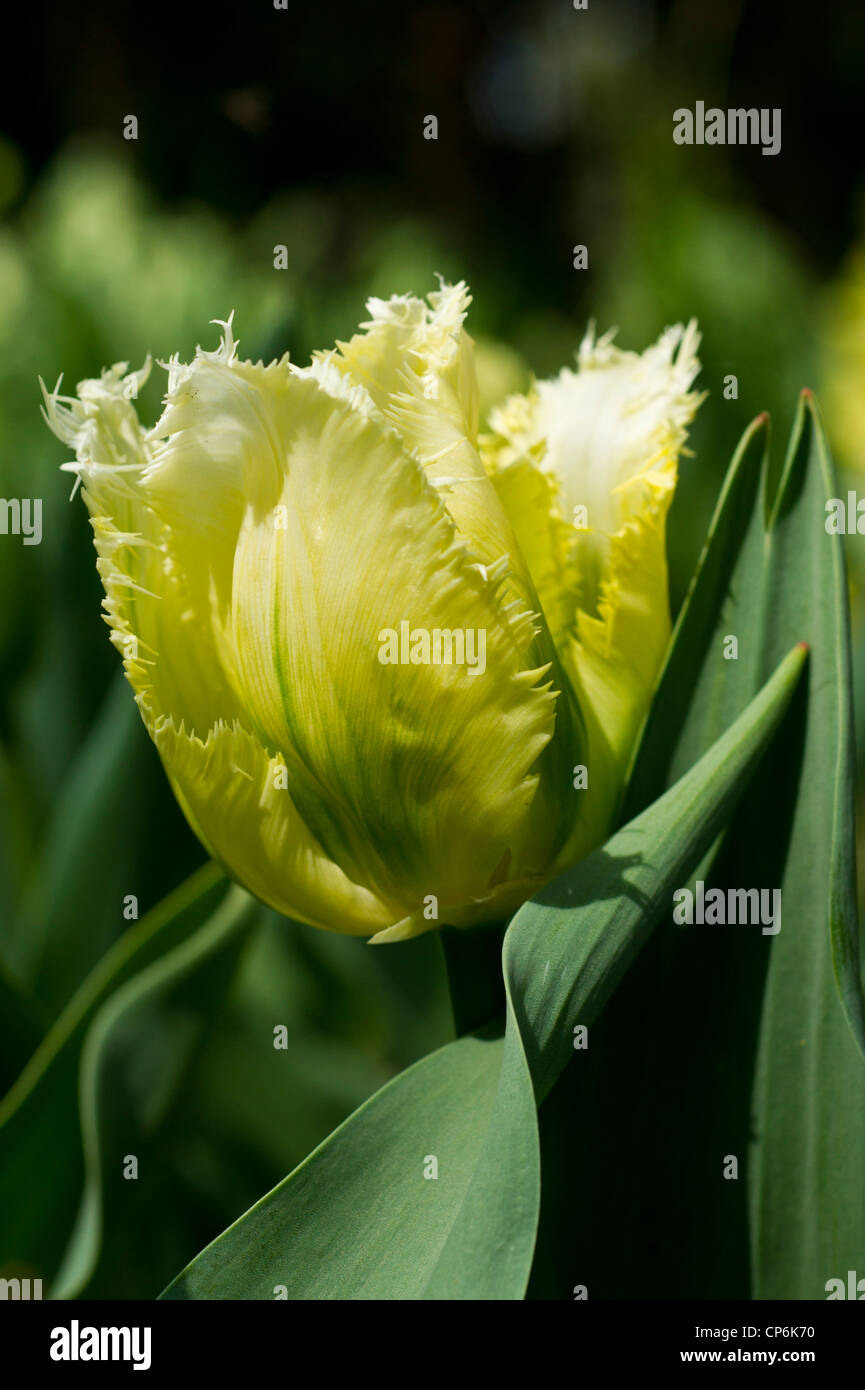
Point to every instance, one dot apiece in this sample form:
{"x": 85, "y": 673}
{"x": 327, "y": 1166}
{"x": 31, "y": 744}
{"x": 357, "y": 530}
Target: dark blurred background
{"x": 304, "y": 127}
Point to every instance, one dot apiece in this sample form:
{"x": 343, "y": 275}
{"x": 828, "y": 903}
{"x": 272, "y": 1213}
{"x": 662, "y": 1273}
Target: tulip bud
{"x": 337, "y": 637}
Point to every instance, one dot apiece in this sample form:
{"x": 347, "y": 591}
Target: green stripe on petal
{"x": 236, "y": 798}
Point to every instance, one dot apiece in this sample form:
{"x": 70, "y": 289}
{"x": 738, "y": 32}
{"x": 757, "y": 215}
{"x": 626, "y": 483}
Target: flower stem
{"x": 473, "y": 958}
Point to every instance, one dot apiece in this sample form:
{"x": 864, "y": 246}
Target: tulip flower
{"x": 370, "y": 646}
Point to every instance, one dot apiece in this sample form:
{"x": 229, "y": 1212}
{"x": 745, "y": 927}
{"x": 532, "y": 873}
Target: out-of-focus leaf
{"x": 39, "y": 1131}
{"x": 135, "y": 1057}
{"x": 261, "y": 1107}
{"x": 21, "y": 1032}
{"x": 12, "y": 853}
{"x": 74, "y": 908}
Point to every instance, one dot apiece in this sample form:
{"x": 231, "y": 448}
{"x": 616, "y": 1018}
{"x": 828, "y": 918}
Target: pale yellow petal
{"x": 585, "y": 465}
{"x": 167, "y": 644}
